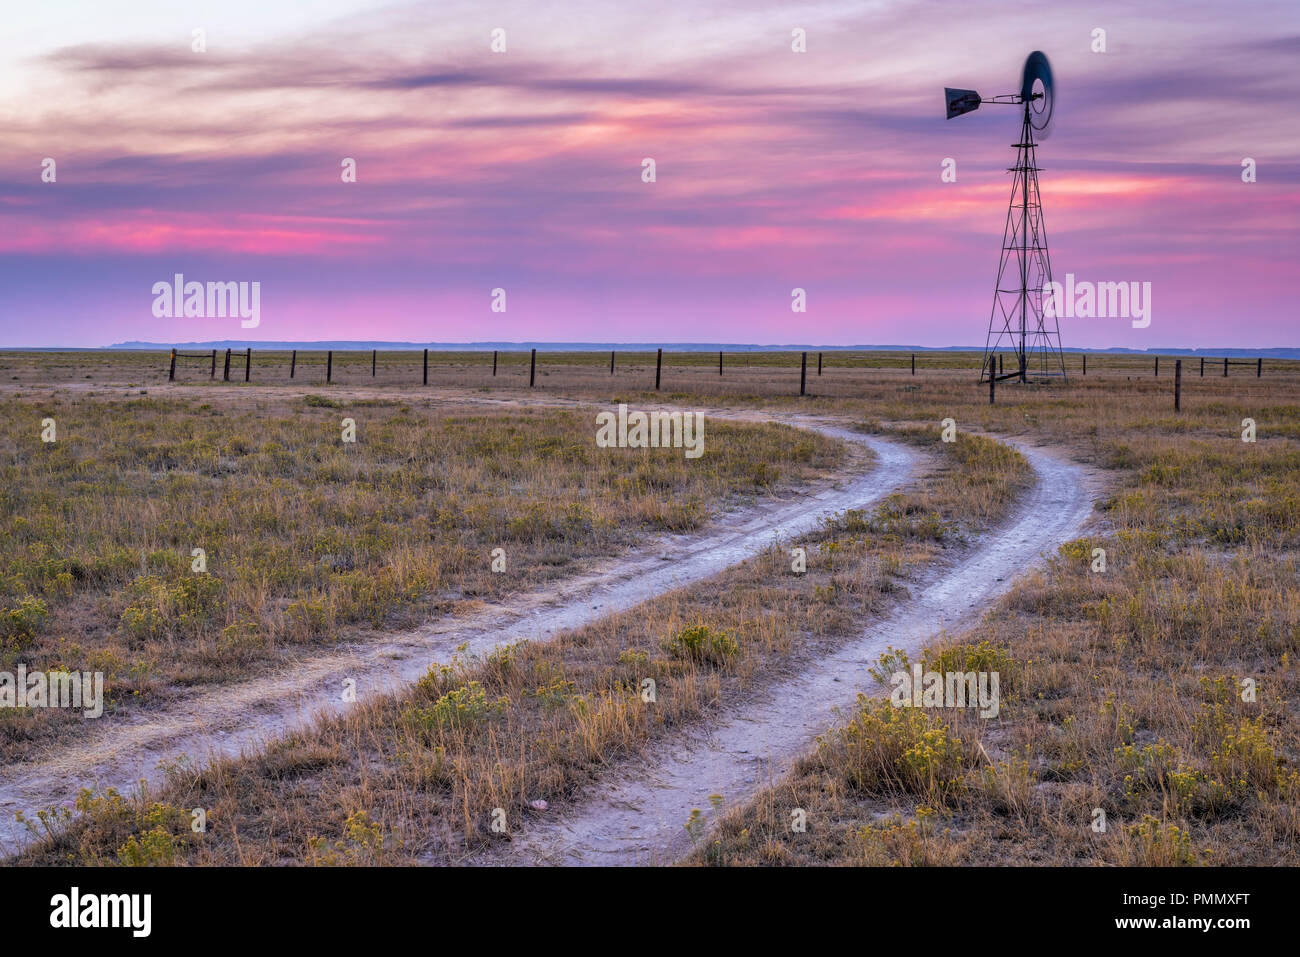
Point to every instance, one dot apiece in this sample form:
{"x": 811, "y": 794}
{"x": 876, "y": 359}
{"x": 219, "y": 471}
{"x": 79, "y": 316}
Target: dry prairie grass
{"x": 418, "y": 776}
{"x": 309, "y": 540}
{"x": 1127, "y": 695}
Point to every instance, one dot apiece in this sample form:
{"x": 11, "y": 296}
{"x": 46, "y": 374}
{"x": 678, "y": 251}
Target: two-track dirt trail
{"x": 229, "y": 720}
{"x": 638, "y": 815}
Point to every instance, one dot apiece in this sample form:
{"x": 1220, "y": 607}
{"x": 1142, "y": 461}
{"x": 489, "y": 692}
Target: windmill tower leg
{"x": 1023, "y": 158}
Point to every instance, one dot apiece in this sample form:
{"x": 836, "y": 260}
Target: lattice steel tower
{"x": 1017, "y": 321}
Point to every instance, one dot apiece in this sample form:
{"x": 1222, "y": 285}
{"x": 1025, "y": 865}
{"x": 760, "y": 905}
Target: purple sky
{"x": 522, "y": 169}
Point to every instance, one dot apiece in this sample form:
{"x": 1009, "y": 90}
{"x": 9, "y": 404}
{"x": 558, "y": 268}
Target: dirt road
{"x": 240, "y": 718}
{"x": 639, "y": 815}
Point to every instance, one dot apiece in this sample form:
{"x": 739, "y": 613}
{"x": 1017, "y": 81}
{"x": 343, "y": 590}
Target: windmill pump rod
{"x": 1009, "y": 99}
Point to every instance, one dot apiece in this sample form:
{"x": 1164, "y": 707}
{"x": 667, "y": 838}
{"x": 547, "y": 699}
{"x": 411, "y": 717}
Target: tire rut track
{"x": 638, "y": 815}
{"x": 229, "y": 721}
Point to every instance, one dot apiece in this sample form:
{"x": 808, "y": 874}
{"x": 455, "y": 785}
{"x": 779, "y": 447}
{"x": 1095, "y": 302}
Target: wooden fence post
{"x": 719, "y": 362}
{"x": 374, "y": 354}
{"x": 1178, "y": 384}
{"x": 1157, "y": 367}
{"x": 999, "y": 363}
{"x": 993, "y": 379}
{"x": 1225, "y": 367}
{"x": 171, "y": 373}
{"x": 803, "y": 374}
{"x": 611, "y": 361}
{"x": 659, "y": 364}
{"x": 819, "y": 363}
{"x": 293, "y": 363}
{"x": 329, "y": 365}
{"x": 248, "y": 363}
{"x": 532, "y": 369}
{"x": 1085, "y": 363}
{"x": 225, "y": 372}
{"x": 426, "y": 366}
{"x": 1259, "y": 367}
{"x": 494, "y": 363}
{"x": 214, "y": 365}
{"x": 913, "y": 363}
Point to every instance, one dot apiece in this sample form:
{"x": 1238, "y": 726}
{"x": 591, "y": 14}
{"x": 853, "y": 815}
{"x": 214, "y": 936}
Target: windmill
{"x": 1025, "y": 266}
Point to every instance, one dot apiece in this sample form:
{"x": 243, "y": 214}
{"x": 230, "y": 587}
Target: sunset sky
{"x": 522, "y": 169}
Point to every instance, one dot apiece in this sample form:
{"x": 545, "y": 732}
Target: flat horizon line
{"x": 589, "y": 346}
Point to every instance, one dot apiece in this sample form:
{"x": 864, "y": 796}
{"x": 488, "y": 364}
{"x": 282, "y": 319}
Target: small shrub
{"x": 153, "y": 848}
{"x": 458, "y": 708}
{"x": 1152, "y": 844}
{"x": 362, "y": 844}
{"x": 703, "y": 645}
{"x": 20, "y": 625}
{"x": 885, "y": 750}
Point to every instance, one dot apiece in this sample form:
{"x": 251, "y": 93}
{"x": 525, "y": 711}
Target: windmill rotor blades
{"x": 960, "y": 101}
{"x": 1039, "y": 91}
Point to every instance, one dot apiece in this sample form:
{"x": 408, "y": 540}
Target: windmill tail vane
{"x": 1017, "y": 321}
